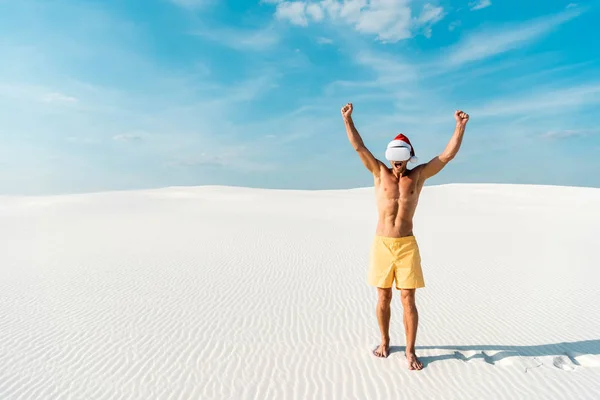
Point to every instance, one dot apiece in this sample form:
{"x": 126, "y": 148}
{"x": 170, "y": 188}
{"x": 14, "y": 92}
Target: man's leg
{"x": 384, "y": 298}
{"x": 411, "y": 322}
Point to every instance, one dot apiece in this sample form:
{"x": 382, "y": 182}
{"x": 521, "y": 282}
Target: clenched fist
{"x": 347, "y": 110}
{"x": 461, "y": 117}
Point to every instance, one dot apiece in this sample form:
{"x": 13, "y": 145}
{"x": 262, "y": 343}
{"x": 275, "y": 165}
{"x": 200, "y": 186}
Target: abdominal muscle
{"x": 391, "y": 224}
{"x": 396, "y": 205}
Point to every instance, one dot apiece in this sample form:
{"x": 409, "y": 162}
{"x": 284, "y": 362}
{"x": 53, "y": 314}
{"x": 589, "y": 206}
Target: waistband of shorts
{"x": 390, "y": 239}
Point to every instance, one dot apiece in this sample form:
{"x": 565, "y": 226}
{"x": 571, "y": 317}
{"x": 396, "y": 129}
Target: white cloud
{"x": 242, "y": 39}
{"x": 324, "y": 40}
{"x": 294, "y": 11}
{"x": 55, "y": 97}
{"x": 389, "y": 69}
{"x": 128, "y": 137}
{"x": 389, "y": 20}
{"x": 546, "y": 102}
{"x": 431, "y": 14}
{"x": 35, "y": 93}
{"x": 487, "y": 43}
{"x": 570, "y": 133}
{"x": 479, "y": 4}
{"x": 331, "y": 7}
{"x": 351, "y": 9}
{"x": 227, "y": 159}
{"x": 453, "y": 25}
{"x": 315, "y": 11}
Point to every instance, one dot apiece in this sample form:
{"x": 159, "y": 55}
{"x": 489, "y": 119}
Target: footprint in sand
{"x": 505, "y": 358}
{"x": 584, "y": 360}
{"x": 564, "y": 363}
{"x": 489, "y": 358}
{"x": 509, "y": 358}
{"x": 466, "y": 356}
{"x": 500, "y": 358}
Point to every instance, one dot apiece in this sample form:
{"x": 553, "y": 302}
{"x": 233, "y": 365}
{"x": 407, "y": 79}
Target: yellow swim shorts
{"x": 396, "y": 259}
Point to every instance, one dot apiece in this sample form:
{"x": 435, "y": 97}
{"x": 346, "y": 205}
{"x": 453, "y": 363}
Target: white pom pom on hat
{"x": 400, "y": 149}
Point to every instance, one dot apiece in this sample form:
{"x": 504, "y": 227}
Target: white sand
{"x": 233, "y": 293}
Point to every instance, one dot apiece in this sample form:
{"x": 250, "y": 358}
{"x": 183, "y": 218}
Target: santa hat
{"x": 400, "y": 149}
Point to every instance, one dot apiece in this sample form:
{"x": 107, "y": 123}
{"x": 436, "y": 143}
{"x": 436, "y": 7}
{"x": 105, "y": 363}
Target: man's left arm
{"x": 439, "y": 162}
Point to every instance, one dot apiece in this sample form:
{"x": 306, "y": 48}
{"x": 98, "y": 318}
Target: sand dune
{"x": 237, "y": 293}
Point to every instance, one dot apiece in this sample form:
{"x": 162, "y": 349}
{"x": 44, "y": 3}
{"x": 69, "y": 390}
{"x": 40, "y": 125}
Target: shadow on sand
{"x": 572, "y": 350}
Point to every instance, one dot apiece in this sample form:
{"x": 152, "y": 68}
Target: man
{"x": 394, "y": 252}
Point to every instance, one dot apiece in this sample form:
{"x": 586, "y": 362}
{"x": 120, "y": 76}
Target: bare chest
{"x": 405, "y": 190}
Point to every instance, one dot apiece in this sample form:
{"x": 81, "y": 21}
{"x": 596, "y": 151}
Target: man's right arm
{"x": 356, "y": 141}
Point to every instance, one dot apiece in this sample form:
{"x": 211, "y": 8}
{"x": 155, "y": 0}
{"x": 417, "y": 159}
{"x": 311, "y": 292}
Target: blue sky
{"x": 112, "y": 95}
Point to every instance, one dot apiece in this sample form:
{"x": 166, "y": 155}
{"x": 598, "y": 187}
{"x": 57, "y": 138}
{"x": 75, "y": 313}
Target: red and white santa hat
{"x": 400, "y": 149}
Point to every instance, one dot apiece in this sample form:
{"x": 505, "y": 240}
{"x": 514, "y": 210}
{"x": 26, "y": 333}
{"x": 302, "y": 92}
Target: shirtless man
{"x": 394, "y": 252}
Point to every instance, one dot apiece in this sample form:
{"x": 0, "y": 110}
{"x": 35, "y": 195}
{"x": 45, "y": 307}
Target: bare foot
{"x": 413, "y": 362}
{"x": 382, "y": 351}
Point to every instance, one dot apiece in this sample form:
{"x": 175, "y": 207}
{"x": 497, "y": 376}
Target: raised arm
{"x": 356, "y": 141}
{"x": 439, "y": 162}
